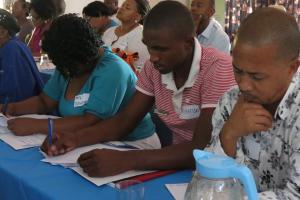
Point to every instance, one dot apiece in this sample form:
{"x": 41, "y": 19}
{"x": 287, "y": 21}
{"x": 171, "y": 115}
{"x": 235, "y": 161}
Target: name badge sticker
{"x": 81, "y": 99}
{"x": 190, "y": 112}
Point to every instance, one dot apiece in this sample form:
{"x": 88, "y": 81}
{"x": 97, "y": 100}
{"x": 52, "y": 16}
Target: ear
{"x": 189, "y": 43}
{"x": 138, "y": 17}
{"x": 211, "y": 12}
{"x": 294, "y": 66}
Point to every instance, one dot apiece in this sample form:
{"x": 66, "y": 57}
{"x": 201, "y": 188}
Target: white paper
{"x": 70, "y": 158}
{"x": 108, "y": 179}
{"x": 177, "y": 190}
{"x": 22, "y": 142}
{"x": 3, "y": 120}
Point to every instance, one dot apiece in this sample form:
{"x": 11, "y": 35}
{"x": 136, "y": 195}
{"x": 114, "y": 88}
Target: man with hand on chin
{"x": 258, "y": 123}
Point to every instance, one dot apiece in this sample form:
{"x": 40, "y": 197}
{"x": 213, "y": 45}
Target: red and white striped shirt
{"x": 211, "y": 75}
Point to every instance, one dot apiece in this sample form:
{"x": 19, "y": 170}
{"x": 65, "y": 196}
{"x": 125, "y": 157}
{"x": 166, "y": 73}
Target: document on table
{"x": 21, "y": 142}
{"x": 177, "y": 190}
{"x": 108, "y": 179}
{"x": 70, "y": 160}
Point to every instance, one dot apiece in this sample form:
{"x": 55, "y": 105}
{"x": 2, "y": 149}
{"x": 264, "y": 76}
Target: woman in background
{"x": 20, "y": 10}
{"x": 19, "y": 76}
{"x": 42, "y": 13}
{"x": 98, "y": 15}
{"x": 128, "y": 36}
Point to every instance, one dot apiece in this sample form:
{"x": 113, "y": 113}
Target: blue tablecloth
{"x": 24, "y": 176}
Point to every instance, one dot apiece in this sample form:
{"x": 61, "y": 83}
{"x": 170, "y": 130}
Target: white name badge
{"x": 190, "y": 112}
{"x": 81, "y": 99}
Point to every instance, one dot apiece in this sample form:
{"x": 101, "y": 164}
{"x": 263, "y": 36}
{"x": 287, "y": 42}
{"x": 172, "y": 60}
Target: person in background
{"x": 114, "y": 6}
{"x": 209, "y": 32}
{"x": 98, "y": 15}
{"x": 42, "y": 13}
{"x": 182, "y": 80}
{"x": 128, "y": 36}
{"x": 60, "y": 6}
{"x": 19, "y": 76}
{"x": 258, "y": 122}
{"x": 89, "y": 85}
{"x": 20, "y": 11}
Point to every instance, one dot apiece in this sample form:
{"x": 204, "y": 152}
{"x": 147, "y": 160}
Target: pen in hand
{"x": 4, "y": 107}
{"x": 50, "y": 131}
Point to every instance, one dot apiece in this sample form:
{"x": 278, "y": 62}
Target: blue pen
{"x": 4, "y": 107}
{"x": 50, "y": 131}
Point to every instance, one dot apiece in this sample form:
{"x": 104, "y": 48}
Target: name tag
{"x": 81, "y": 99}
{"x": 252, "y": 147}
{"x": 190, "y": 112}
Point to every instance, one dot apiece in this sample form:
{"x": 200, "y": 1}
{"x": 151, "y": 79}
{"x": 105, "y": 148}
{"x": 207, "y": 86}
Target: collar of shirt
{"x": 285, "y": 106}
{"x": 168, "y": 80}
{"x": 207, "y": 32}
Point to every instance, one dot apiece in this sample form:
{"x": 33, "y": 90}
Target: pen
{"x": 50, "y": 131}
{"x": 4, "y": 107}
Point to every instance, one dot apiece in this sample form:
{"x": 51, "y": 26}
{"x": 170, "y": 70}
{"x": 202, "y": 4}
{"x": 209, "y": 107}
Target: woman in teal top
{"x": 90, "y": 84}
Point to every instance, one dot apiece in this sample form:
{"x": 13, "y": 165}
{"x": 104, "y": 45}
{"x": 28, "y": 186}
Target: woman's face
{"x": 4, "y": 36}
{"x": 128, "y": 12}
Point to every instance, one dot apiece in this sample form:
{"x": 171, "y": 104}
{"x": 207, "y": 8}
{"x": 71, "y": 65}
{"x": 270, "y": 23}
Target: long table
{"x": 24, "y": 177}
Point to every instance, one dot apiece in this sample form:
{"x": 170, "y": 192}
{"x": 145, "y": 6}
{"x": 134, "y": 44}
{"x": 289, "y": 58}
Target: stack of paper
{"x": 21, "y": 142}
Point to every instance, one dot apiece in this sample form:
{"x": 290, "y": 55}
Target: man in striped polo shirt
{"x": 183, "y": 80}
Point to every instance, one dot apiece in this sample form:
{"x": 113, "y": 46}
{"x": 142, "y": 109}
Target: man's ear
{"x": 211, "y": 12}
{"x": 189, "y": 42}
{"x": 294, "y": 65}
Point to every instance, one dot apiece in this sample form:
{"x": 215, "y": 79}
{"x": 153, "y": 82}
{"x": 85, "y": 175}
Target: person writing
{"x": 183, "y": 80}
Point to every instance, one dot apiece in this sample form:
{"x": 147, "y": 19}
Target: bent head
{"x": 72, "y": 45}
{"x": 266, "y": 55}
{"x": 169, "y": 35}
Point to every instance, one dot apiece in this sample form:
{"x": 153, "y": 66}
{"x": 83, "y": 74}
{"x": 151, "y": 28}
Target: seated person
{"x": 42, "y": 13}
{"x": 98, "y": 15}
{"x": 19, "y": 76}
{"x": 128, "y": 35}
{"x": 183, "y": 80}
{"x": 89, "y": 85}
{"x": 20, "y": 10}
{"x": 257, "y": 123}
{"x": 209, "y": 32}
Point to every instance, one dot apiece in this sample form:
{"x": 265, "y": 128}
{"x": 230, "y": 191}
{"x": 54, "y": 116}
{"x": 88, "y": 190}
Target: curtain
{"x": 237, "y": 11}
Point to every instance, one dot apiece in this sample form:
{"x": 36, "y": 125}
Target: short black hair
{"x": 45, "y": 9}
{"x": 97, "y": 9}
{"x": 143, "y": 8}
{"x": 173, "y": 16}
{"x": 72, "y": 45}
{"x": 271, "y": 26}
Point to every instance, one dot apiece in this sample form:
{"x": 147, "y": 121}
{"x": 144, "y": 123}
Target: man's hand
{"x": 61, "y": 143}
{"x": 246, "y": 118}
{"x": 25, "y": 126}
{"x": 105, "y": 162}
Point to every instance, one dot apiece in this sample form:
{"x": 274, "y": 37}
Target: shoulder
{"x": 111, "y": 64}
{"x": 109, "y": 32}
{"x": 228, "y": 100}
{"x": 211, "y": 56}
{"x": 219, "y": 32}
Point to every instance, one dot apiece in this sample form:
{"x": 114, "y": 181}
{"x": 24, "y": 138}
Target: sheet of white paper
{"x": 177, "y": 190}
{"x": 109, "y": 179}
{"x": 3, "y": 120}
{"x": 22, "y": 142}
{"x": 70, "y": 158}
